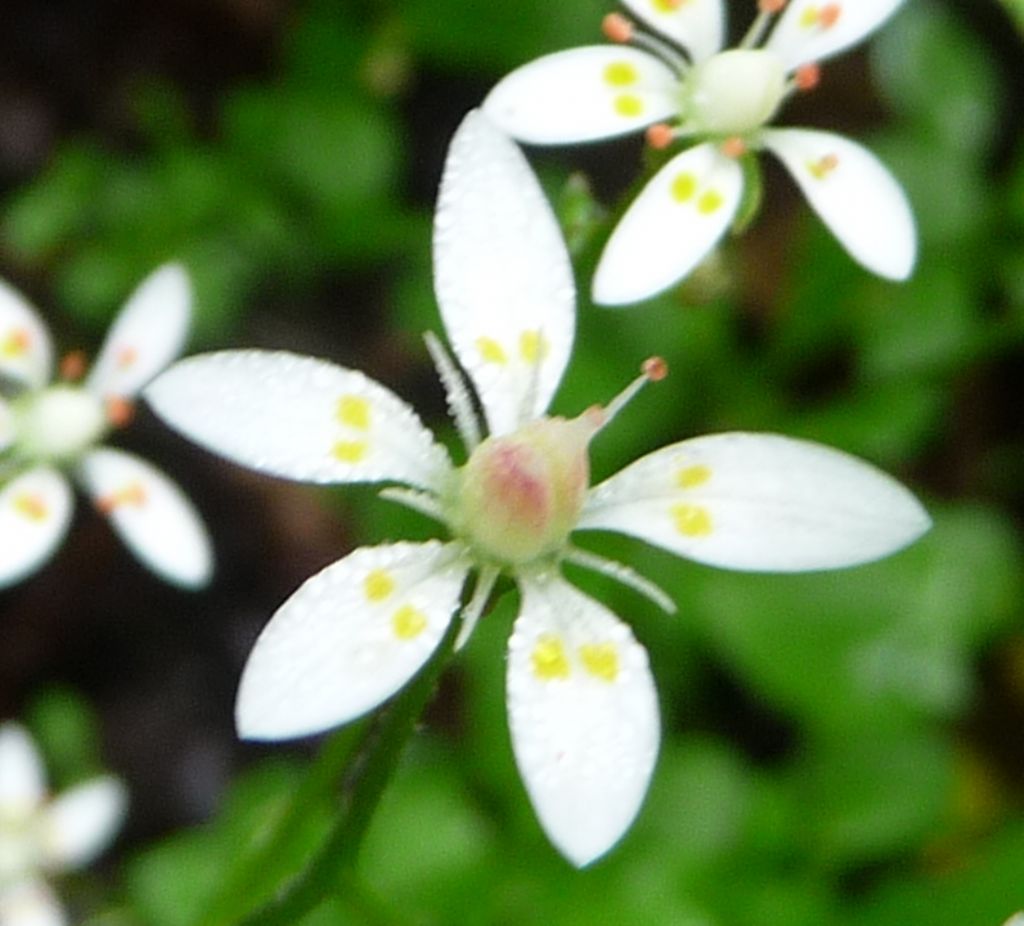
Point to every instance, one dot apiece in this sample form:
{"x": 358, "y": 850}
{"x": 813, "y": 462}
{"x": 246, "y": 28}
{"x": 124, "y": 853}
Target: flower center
{"x": 734, "y": 92}
{"x": 519, "y": 495}
{"x": 59, "y": 423}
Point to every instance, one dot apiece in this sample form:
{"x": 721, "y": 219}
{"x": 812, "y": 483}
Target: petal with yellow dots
{"x": 298, "y": 417}
{"x": 583, "y": 715}
{"x": 854, "y": 195}
{"x": 583, "y": 94}
{"x": 26, "y": 353}
{"x": 148, "y": 333}
{"x": 30, "y": 902}
{"x": 150, "y": 514}
{"x": 22, "y": 778}
{"x": 697, "y": 25}
{"x": 758, "y": 502}
{"x": 502, "y": 275}
{"x": 349, "y": 638}
{"x": 812, "y": 30}
{"x": 35, "y": 509}
{"x": 670, "y": 227}
{"x": 81, "y": 822}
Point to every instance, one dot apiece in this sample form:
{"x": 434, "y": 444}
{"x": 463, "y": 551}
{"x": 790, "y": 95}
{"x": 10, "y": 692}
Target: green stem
{"x": 331, "y": 871}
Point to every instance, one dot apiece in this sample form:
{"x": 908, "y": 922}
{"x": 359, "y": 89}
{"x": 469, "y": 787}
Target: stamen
{"x": 807, "y": 77}
{"x": 766, "y": 9}
{"x": 72, "y": 365}
{"x": 460, "y": 405}
{"x": 622, "y": 574}
{"x": 422, "y": 502}
{"x": 771, "y": 6}
{"x": 654, "y": 369}
{"x": 734, "y": 147}
{"x": 660, "y": 136}
{"x": 617, "y": 28}
{"x": 119, "y": 411}
{"x": 471, "y": 613}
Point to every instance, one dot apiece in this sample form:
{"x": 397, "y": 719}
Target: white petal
{"x": 26, "y": 354}
{"x": 697, "y": 25}
{"x": 349, "y": 638}
{"x": 583, "y": 94}
{"x": 82, "y": 822}
{"x": 855, "y": 196}
{"x": 583, "y": 715}
{"x": 670, "y": 227}
{"x": 22, "y": 778}
{"x": 759, "y": 502}
{"x": 35, "y": 509}
{"x": 502, "y": 275}
{"x": 802, "y": 35}
{"x": 30, "y": 903}
{"x": 150, "y": 514}
{"x": 299, "y": 418}
{"x": 147, "y": 335}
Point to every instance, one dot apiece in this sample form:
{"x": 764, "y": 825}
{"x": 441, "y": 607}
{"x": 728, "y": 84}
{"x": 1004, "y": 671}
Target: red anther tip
{"x": 660, "y": 136}
{"x": 119, "y": 411}
{"x": 72, "y": 365}
{"x": 771, "y": 6}
{"x": 734, "y": 147}
{"x": 655, "y": 369}
{"x": 829, "y": 14}
{"x": 807, "y": 76}
{"x": 617, "y": 28}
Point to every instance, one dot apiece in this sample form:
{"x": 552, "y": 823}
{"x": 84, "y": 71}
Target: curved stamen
{"x": 621, "y": 574}
{"x": 617, "y": 28}
{"x": 766, "y": 9}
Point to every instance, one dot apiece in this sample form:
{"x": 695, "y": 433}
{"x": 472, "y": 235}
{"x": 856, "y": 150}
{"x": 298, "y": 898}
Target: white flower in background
{"x": 40, "y": 837}
{"x": 582, "y": 707}
{"x": 49, "y": 428}
{"x": 681, "y": 84}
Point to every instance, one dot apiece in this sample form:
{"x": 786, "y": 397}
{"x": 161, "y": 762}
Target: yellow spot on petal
{"x": 710, "y": 202}
{"x": 691, "y": 520}
{"x": 533, "y": 346}
{"x": 620, "y": 74}
{"x": 549, "y": 659}
{"x": 667, "y": 6}
{"x": 628, "y": 105}
{"x": 31, "y": 506}
{"x": 824, "y": 166}
{"x": 491, "y": 350}
{"x": 408, "y": 622}
{"x": 684, "y": 187}
{"x": 809, "y": 17}
{"x": 126, "y": 357}
{"x": 601, "y": 660}
{"x": 354, "y": 411}
{"x": 692, "y": 476}
{"x": 350, "y": 451}
{"x": 378, "y": 584}
{"x": 134, "y": 493}
{"x": 16, "y": 343}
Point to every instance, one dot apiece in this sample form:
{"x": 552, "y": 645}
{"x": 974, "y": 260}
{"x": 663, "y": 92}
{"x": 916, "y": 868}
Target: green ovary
{"x": 734, "y": 92}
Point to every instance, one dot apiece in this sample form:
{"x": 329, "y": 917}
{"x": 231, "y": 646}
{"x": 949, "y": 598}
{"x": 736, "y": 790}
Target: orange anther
{"x": 828, "y": 15}
{"x": 617, "y": 28}
{"x": 72, "y": 365}
{"x": 119, "y": 411}
{"x": 660, "y": 136}
{"x": 655, "y": 369}
{"x": 734, "y": 147}
{"x": 807, "y": 76}
{"x": 771, "y": 6}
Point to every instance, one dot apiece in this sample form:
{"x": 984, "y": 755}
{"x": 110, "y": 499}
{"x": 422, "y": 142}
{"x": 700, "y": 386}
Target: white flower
{"x": 725, "y": 98}
{"x": 49, "y": 427}
{"x": 582, "y": 706}
{"x": 40, "y": 837}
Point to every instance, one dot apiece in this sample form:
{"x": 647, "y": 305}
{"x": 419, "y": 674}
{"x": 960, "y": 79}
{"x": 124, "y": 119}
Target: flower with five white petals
{"x": 681, "y": 83}
{"x": 40, "y": 837}
{"x": 49, "y": 428}
{"x": 582, "y": 707}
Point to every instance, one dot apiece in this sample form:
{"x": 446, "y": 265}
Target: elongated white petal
{"x": 22, "y": 778}
{"x": 812, "y": 30}
{"x": 855, "y": 196}
{"x": 759, "y": 502}
{"x": 26, "y": 354}
{"x": 583, "y": 94}
{"x": 299, "y": 418}
{"x": 147, "y": 335}
{"x": 583, "y": 715}
{"x": 697, "y": 25}
{"x": 79, "y": 824}
{"x": 30, "y": 902}
{"x": 150, "y": 514}
{"x": 349, "y": 638}
{"x": 35, "y": 509}
{"x": 670, "y": 227}
{"x": 502, "y": 275}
